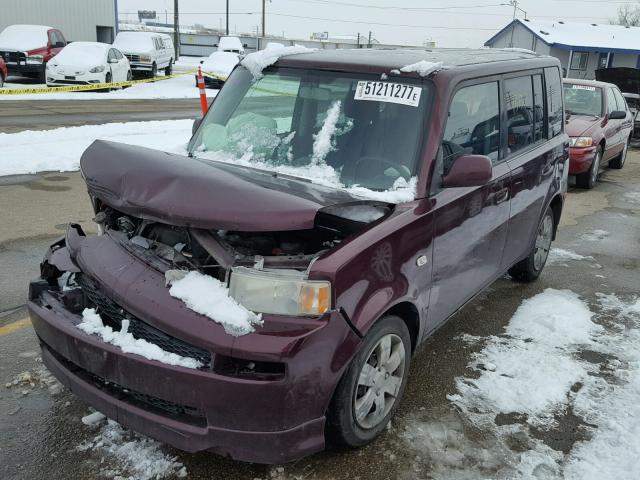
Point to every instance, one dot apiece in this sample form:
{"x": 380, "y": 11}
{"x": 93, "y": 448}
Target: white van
{"x": 231, "y": 44}
{"x": 147, "y": 52}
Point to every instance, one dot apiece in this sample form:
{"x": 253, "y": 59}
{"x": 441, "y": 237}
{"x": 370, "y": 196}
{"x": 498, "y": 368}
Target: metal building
{"x": 88, "y": 20}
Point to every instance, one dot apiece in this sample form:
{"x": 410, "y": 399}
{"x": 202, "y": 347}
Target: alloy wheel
{"x": 379, "y": 381}
{"x": 543, "y": 242}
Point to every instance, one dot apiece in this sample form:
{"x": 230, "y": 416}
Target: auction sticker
{"x": 583, "y": 87}
{"x": 388, "y": 92}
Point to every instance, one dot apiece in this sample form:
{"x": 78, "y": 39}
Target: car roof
{"x": 373, "y": 59}
{"x": 145, "y": 34}
{"x": 587, "y": 83}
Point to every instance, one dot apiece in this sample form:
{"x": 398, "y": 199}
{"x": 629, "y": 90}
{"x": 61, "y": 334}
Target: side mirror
{"x": 196, "y": 124}
{"x": 113, "y": 60}
{"x": 618, "y": 115}
{"x": 468, "y": 171}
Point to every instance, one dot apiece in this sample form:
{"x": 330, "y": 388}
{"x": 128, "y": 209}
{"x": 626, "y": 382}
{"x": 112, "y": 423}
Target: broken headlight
{"x": 281, "y": 292}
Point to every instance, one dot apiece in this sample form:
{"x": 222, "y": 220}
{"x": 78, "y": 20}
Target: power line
{"x": 387, "y": 7}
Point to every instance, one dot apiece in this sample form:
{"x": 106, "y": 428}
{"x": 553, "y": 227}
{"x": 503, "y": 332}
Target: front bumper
{"x": 257, "y": 420}
{"x": 25, "y": 69}
{"x": 580, "y": 159}
{"x": 84, "y": 79}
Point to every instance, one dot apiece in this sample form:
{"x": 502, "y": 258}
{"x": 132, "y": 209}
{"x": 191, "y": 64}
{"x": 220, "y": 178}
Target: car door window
{"x": 112, "y": 55}
{"x": 612, "y": 106}
{"x": 518, "y": 96}
{"x": 118, "y": 55}
{"x": 622, "y": 104}
{"x": 473, "y": 126}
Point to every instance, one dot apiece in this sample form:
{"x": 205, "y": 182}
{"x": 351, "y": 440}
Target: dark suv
{"x": 334, "y": 210}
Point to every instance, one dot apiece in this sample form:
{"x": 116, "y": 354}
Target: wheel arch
{"x": 556, "y": 206}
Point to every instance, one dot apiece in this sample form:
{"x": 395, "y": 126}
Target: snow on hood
{"x": 221, "y": 62}
{"x": 258, "y": 61}
{"x": 423, "y": 68}
{"x": 24, "y": 37}
{"x": 134, "y": 42}
{"x": 82, "y": 54}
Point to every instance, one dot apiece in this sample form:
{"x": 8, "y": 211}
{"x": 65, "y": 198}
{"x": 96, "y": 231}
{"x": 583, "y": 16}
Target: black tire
{"x": 589, "y": 178}
{"x": 1, "y": 80}
{"x": 169, "y": 69}
{"x": 618, "y": 162}
{"x": 154, "y": 70}
{"x": 343, "y": 427}
{"x": 529, "y": 269}
{"x": 41, "y": 76}
{"x": 129, "y": 78}
{"x": 107, "y": 79}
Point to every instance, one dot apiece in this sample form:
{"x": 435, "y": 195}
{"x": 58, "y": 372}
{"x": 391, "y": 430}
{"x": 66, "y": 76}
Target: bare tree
{"x": 628, "y": 15}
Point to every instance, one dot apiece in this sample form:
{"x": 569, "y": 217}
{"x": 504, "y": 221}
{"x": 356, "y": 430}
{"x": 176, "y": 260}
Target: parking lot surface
{"x": 41, "y": 432}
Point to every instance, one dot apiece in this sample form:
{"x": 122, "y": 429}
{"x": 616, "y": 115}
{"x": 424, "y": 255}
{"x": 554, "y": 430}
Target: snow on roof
{"x": 258, "y": 61}
{"x": 24, "y": 37}
{"x": 585, "y": 35}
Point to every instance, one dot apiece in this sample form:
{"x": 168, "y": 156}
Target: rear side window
{"x": 473, "y": 125}
{"x": 554, "y": 100}
{"x": 539, "y": 131}
{"x": 519, "y": 106}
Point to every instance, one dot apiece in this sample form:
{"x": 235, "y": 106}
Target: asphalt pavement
{"x": 40, "y": 427}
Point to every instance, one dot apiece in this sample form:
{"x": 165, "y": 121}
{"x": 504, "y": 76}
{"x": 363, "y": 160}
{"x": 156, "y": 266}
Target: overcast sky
{"x": 454, "y": 23}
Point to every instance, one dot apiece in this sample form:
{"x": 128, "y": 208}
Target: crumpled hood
{"x": 579, "y": 125}
{"x": 192, "y": 192}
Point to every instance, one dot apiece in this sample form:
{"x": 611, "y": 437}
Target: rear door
{"x": 612, "y": 127}
{"x": 529, "y": 157}
{"x": 470, "y": 222}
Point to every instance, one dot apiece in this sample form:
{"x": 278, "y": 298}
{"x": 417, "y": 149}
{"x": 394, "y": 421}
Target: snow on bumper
{"x": 266, "y": 420}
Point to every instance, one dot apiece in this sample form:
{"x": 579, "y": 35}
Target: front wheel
{"x": 370, "y": 389}
{"x": 531, "y": 267}
{"x": 1, "y": 81}
{"x": 169, "y": 69}
{"x": 618, "y": 162}
{"x": 588, "y": 179}
{"x": 154, "y": 71}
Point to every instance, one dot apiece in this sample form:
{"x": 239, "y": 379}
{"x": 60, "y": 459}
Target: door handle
{"x": 501, "y": 195}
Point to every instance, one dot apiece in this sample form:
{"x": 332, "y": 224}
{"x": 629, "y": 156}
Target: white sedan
{"x": 220, "y": 64}
{"x": 85, "y": 63}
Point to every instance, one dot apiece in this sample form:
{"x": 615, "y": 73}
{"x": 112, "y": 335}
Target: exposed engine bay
{"x": 214, "y": 252}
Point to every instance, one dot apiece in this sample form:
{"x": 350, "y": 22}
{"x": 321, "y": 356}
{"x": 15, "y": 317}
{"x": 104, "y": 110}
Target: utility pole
{"x": 369, "y": 42}
{"x": 176, "y": 29}
{"x": 227, "y": 17}
{"x": 358, "y": 40}
{"x": 264, "y": 33}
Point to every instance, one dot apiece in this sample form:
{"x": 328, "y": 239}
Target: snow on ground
{"x": 60, "y": 149}
{"x": 557, "y": 255}
{"x": 557, "y": 361}
{"x": 422, "y": 68}
{"x": 137, "y": 457}
{"x": 92, "y": 324}
{"x": 179, "y": 87}
{"x": 208, "y": 296}
{"x": 594, "y": 235}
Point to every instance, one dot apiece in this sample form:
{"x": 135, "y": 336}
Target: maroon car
{"x": 600, "y": 126}
{"x": 3, "y": 72}
{"x": 346, "y": 202}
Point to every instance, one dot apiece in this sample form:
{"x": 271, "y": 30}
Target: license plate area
{"x": 69, "y": 77}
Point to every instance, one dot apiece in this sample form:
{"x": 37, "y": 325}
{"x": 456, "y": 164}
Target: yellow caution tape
{"x": 97, "y": 86}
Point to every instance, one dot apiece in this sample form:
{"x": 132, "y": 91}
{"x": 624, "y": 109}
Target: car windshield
{"x": 583, "y": 100}
{"x": 337, "y": 129}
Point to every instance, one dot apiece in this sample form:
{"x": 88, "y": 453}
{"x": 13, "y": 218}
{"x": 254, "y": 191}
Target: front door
{"x": 470, "y": 223}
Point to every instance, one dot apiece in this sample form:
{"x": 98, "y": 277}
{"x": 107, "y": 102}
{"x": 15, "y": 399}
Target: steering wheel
{"x": 381, "y": 162}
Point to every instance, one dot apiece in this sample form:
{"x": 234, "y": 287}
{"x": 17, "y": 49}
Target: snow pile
{"x": 93, "y": 419}
{"x": 138, "y": 457}
{"x": 544, "y": 333}
{"x": 256, "y": 62}
{"x": 423, "y": 68}
{"x": 324, "y": 140}
{"x": 92, "y": 324}
{"x": 518, "y": 50}
{"x": 552, "y": 364}
{"x": 60, "y": 149}
{"x": 209, "y": 297}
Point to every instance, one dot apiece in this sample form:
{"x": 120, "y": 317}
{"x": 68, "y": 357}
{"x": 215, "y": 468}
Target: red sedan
{"x": 3, "y": 72}
{"x": 600, "y": 126}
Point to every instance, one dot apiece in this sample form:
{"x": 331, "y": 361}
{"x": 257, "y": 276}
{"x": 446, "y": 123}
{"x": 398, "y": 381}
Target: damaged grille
{"x": 111, "y": 311}
{"x": 153, "y": 404}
